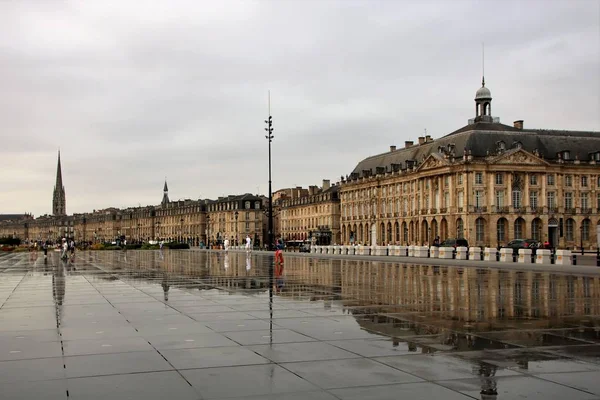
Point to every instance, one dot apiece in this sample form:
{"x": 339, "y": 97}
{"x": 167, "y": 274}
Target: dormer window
{"x": 517, "y": 145}
{"x": 595, "y": 156}
{"x": 566, "y": 155}
{"x": 501, "y": 146}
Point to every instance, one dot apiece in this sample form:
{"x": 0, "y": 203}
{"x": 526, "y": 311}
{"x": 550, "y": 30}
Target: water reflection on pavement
{"x": 197, "y": 324}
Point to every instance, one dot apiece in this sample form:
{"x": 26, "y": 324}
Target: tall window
{"x": 551, "y": 199}
{"x": 460, "y": 229}
{"x": 500, "y": 233}
{"x": 446, "y": 199}
{"x": 568, "y": 180}
{"x": 568, "y": 200}
{"x": 536, "y": 229}
{"x": 585, "y": 204}
{"x": 533, "y": 179}
{"x": 479, "y": 229}
{"x": 584, "y": 181}
{"x": 461, "y": 198}
{"x": 570, "y": 228}
{"x": 519, "y": 223}
{"x": 598, "y": 201}
{"x": 533, "y": 199}
{"x": 585, "y": 229}
{"x": 550, "y": 179}
{"x": 499, "y": 198}
{"x": 479, "y": 198}
{"x": 460, "y": 179}
{"x": 478, "y": 178}
{"x": 499, "y": 178}
{"x": 516, "y": 198}
{"x": 446, "y": 180}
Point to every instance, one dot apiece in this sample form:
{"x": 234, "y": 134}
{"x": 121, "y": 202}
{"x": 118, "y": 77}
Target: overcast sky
{"x": 133, "y": 91}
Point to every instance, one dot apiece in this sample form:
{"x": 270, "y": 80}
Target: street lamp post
{"x": 581, "y": 238}
{"x": 208, "y": 231}
{"x": 181, "y": 231}
{"x": 270, "y": 137}
{"x": 236, "y": 228}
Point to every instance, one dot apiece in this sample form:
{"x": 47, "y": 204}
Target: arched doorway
{"x": 434, "y": 230}
{"x": 519, "y": 228}
{"x": 405, "y": 233}
{"x": 397, "y": 232}
{"x": 553, "y": 232}
{"x": 501, "y": 231}
{"x": 389, "y": 233}
{"x": 480, "y": 231}
{"x": 425, "y": 232}
{"x": 536, "y": 229}
{"x": 411, "y": 239}
{"x": 345, "y": 239}
{"x": 443, "y": 229}
{"x": 460, "y": 229}
{"x": 586, "y": 227}
{"x": 360, "y": 234}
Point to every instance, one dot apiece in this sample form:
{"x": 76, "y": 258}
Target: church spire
{"x": 165, "y": 199}
{"x": 59, "y": 206}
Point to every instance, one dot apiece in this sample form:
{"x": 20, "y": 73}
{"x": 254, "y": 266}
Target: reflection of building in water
{"x": 447, "y": 297}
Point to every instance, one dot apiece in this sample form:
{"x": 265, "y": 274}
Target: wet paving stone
{"x": 208, "y": 325}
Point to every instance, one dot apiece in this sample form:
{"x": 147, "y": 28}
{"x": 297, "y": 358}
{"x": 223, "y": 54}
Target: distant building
{"x": 315, "y": 215}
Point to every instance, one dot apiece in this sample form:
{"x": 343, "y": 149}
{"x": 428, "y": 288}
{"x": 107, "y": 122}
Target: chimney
{"x": 428, "y": 139}
{"x": 408, "y": 144}
{"x": 518, "y": 124}
{"x": 421, "y": 139}
{"x": 326, "y": 184}
{"x": 392, "y": 148}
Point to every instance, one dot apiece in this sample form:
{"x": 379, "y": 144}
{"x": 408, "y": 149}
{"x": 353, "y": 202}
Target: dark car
{"x": 523, "y": 244}
{"x": 454, "y": 243}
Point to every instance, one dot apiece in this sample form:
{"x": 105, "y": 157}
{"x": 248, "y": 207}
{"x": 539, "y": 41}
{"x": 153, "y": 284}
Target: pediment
{"x": 433, "y": 161}
{"x": 518, "y": 157}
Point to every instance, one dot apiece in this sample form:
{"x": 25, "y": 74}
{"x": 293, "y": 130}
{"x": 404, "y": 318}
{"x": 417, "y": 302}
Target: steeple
{"x": 165, "y": 199}
{"x": 59, "y": 203}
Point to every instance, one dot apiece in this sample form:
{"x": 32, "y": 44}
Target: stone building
{"x": 487, "y": 182}
{"x": 316, "y": 215}
{"x": 236, "y": 216}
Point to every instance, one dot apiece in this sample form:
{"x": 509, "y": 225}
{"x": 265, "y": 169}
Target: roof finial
{"x": 482, "y": 64}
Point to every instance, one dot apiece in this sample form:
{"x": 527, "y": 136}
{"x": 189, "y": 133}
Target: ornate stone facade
{"x": 487, "y": 182}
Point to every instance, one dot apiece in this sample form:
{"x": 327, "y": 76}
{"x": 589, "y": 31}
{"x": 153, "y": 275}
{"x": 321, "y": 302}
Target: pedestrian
{"x": 436, "y": 241}
{"x": 65, "y": 248}
{"x": 226, "y": 244}
{"x": 45, "y": 247}
{"x": 248, "y": 243}
{"x": 279, "y": 251}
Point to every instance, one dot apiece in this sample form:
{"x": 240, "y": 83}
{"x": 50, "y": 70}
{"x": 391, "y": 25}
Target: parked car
{"x": 523, "y": 244}
{"x": 454, "y": 243}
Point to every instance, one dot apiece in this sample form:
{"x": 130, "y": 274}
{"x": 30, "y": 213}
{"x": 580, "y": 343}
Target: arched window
{"x": 460, "y": 227}
{"x": 536, "y": 229}
{"x": 480, "y": 229}
{"x": 585, "y": 229}
{"x": 501, "y": 229}
{"x": 570, "y": 229}
{"x": 519, "y": 228}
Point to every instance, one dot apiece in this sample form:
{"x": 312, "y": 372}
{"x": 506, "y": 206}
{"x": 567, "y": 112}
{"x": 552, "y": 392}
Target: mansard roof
{"x": 483, "y": 138}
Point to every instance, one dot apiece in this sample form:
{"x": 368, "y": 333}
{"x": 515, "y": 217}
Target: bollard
{"x": 446, "y": 252}
{"x": 506, "y": 255}
{"x": 434, "y": 252}
{"x": 490, "y": 254}
{"x": 403, "y": 251}
{"x": 475, "y": 253}
{"x": 461, "y": 253}
{"x": 543, "y": 256}
{"x": 525, "y": 256}
{"x": 563, "y": 257}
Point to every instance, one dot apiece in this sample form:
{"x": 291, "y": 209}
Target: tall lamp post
{"x": 236, "y": 228}
{"x": 270, "y": 137}
{"x": 208, "y": 231}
